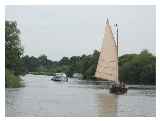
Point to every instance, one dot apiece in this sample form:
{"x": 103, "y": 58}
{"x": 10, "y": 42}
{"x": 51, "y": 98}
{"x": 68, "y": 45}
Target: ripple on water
{"x": 43, "y": 97}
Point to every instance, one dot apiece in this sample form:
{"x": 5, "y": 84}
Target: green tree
{"x": 64, "y": 61}
{"x": 30, "y": 63}
{"x": 138, "y": 68}
{"x": 42, "y": 60}
{"x": 13, "y": 52}
{"x": 13, "y": 48}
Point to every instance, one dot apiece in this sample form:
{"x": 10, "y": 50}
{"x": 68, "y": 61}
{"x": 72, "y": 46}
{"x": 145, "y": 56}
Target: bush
{"x": 12, "y": 81}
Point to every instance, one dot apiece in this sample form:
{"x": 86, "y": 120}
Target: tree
{"x": 64, "y": 61}
{"x": 13, "y": 48}
{"x": 42, "y": 60}
{"x": 138, "y": 68}
{"x": 30, "y": 63}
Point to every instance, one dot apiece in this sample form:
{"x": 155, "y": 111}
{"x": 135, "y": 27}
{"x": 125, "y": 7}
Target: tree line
{"x": 133, "y": 68}
{"x": 85, "y": 64}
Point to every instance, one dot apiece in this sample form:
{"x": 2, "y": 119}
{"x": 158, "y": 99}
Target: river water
{"x": 43, "y": 97}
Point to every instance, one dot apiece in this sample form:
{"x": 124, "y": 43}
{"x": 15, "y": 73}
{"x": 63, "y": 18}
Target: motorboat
{"x": 60, "y": 77}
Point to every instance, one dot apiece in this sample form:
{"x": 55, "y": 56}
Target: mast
{"x": 117, "y": 50}
{"x": 117, "y": 38}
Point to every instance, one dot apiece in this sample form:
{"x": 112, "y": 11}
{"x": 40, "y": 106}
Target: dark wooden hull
{"x": 59, "y": 79}
{"x": 56, "y": 80}
{"x": 118, "y": 90}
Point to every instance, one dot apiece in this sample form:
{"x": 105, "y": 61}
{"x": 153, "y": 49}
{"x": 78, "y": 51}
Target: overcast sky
{"x": 59, "y": 31}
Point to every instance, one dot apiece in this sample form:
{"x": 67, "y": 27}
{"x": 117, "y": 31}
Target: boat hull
{"x": 119, "y": 90}
{"x": 60, "y": 79}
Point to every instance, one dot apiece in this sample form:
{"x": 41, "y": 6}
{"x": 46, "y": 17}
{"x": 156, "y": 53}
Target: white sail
{"x": 107, "y": 67}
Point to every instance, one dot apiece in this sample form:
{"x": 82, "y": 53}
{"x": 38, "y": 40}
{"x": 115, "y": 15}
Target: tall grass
{"x": 11, "y": 80}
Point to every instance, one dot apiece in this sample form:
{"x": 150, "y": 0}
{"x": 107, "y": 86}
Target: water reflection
{"x": 43, "y": 97}
{"x": 107, "y": 105}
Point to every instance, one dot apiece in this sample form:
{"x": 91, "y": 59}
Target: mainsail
{"x": 107, "y": 67}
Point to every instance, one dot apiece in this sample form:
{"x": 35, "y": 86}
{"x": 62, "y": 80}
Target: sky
{"x": 59, "y": 31}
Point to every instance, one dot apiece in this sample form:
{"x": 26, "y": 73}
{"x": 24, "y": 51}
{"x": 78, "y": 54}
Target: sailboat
{"x": 107, "y": 67}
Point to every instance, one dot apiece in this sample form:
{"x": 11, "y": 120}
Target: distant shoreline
{"x": 134, "y": 86}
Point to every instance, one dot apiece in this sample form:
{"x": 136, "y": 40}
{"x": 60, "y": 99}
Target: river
{"x": 43, "y": 97}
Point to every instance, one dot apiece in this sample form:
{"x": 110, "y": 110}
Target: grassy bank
{"x": 11, "y": 80}
{"x": 42, "y": 73}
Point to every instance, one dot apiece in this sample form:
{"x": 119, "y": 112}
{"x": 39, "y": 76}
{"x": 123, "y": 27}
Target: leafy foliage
{"x": 12, "y": 81}
{"x": 138, "y": 69}
{"x": 133, "y": 68}
{"x": 13, "y": 53}
{"x": 13, "y": 48}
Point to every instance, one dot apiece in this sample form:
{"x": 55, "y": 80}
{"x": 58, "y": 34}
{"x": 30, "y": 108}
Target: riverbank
{"x": 11, "y": 80}
{"x": 42, "y": 73}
